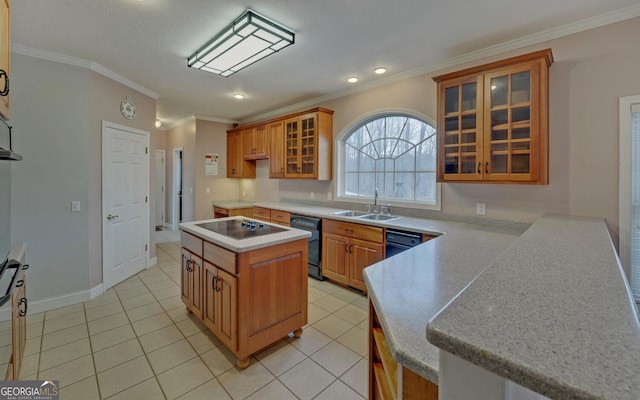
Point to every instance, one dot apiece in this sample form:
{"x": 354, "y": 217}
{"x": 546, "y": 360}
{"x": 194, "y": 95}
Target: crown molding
{"x": 515, "y": 44}
{"x": 79, "y": 62}
{"x": 216, "y": 119}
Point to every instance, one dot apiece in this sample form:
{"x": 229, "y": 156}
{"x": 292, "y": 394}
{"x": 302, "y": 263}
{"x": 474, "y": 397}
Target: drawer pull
{"x": 348, "y": 230}
{"x": 188, "y": 266}
{"x": 23, "y": 301}
{"x": 20, "y": 283}
{"x": 346, "y": 247}
{"x": 25, "y": 267}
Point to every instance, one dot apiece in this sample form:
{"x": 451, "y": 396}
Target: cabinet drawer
{"x": 221, "y": 211}
{"x": 221, "y": 258}
{"x": 280, "y": 217}
{"x": 262, "y": 213}
{"x": 362, "y": 232}
{"x": 191, "y": 243}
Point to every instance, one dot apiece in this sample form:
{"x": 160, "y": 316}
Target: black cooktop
{"x": 240, "y": 228}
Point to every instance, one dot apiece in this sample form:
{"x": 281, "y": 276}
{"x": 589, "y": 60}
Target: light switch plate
{"x": 481, "y": 208}
{"x": 75, "y": 206}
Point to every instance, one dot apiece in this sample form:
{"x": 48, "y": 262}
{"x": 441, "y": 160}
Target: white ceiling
{"x": 148, "y": 42}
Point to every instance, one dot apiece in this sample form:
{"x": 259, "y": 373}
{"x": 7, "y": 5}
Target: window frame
{"x": 339, "y": 146}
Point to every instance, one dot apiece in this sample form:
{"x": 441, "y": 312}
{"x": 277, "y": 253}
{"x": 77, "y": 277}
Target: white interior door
{"x": 160, "y": 184}
{"x": 125, "y": 207}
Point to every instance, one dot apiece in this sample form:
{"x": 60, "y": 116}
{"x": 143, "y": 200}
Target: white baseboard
{"x": 152, "y": 262}
{"x": 52, "y": 303}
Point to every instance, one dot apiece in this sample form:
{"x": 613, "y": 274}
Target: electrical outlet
{"x": 312, "y": 195}
{"x": 75, "y": 206}
{"x": 208, "y": 190}
{"x": 481, "y": 208}
{"x": 329, "y": 196}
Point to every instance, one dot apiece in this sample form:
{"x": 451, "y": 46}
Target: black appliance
{"x": 399, "y": 241}
{"x": 240, "y": 228}
{"x": 313, "y": 225}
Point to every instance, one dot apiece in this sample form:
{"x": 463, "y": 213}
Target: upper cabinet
{"x": 493, "y": 122}
{"x": 298, "y": 146}
{"x": 5, "y": 56}
{"x": 237, "y": 166}
{"x": 307, "y": 146}
{"x": 255, "y": 143}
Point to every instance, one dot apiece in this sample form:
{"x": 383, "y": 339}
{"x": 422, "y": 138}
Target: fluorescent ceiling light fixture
{"x": 251, "y": 37}
{"x": 352, "y": 79}
{"x": 380, "y": 70}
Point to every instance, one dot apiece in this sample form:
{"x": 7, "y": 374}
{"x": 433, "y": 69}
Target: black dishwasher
{"x": 399, "y": 241}
{"x": 312, "y": 225}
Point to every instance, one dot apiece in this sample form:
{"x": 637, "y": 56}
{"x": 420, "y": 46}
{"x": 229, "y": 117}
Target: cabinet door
{"x": 248, "y": 147}
{"x": 335, "y": 257}
{"x": 209, "y": 303}
{"x": 196, "y": 285}
{"x": 276, "y": 151}
{"x": 292, "y": 148}
{"x": 5, "y": 53}
{"x": 460, "y": 121}
{"x": 511, "y": 126}
{"x": 363, "y": 254}
{"x": 260, "y": 142}
{"x": 233, "y": 167}
{"x": 308, "y": 146}
{"x": 227, "y": 304}
{"x": 185, "y": 277}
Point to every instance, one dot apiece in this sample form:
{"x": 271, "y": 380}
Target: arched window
{"x": 395, "y": 153}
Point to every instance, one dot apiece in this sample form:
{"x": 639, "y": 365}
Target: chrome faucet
{"x": 375, "y": 198}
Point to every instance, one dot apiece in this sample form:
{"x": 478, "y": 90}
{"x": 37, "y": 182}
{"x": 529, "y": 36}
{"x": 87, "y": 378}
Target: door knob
{"x": 110, "y": 217}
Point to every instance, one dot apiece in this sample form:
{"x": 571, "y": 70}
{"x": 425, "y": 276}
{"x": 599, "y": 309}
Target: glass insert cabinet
{"x": 493, "y": 121}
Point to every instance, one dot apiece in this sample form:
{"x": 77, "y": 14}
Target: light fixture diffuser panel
{"x": 250, "y": 38}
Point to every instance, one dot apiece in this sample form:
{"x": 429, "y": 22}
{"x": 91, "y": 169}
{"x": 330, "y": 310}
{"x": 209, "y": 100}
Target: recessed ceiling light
{"x": 352, "y": 79}
{"x": 238, "y": 96}
{"x": 380, "y": 70}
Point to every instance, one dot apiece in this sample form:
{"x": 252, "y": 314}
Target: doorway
{"x": 629, "y": 198}
{"x": 160, "y": 184}
{"x": 125, "y": 202}
{"x": 177, "y": 187}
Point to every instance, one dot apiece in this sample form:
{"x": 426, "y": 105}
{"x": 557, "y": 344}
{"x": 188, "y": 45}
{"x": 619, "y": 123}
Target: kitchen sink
{"x": 350, "y": 213}
{"x": 377, "y": 217}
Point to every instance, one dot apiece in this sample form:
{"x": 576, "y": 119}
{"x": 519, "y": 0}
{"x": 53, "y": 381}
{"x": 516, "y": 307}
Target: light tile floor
{"x": 136, "y": 341}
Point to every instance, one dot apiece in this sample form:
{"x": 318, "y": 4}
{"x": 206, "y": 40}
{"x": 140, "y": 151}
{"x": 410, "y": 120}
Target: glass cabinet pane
{"x": 500, "y": 91}
{"x": 521, "y": 87}
{"x": 468, "y": 97}
{"x": 452, "y": 100}
{"x": 469, "y": 121}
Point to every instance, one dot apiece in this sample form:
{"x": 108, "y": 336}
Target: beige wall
{"x": 592, "y": 70}
{"x": 105, "y": 96}
{"x": 211, "y": 137}
{"x": 184, "y": 137}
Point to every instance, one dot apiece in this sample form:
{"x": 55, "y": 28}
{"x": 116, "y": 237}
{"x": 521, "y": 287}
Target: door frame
{"x": 174, "y": 191}
{"x": 161, "y": 200}
{"x": 107, "y": 124}
{"x": 624, "y": 198}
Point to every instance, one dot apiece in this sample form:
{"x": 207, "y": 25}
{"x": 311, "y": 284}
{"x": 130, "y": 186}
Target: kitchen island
{"x": 246, "y": 280}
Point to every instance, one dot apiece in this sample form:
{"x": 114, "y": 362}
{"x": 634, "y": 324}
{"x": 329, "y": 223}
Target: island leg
{"x": 243, "y": 363}
{"x": 297, "y": 333}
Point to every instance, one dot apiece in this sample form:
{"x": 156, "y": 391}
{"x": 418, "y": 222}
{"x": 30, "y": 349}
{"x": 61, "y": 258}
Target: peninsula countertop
{"x": 552, "y": 313}
{"x": 241, "y": 245}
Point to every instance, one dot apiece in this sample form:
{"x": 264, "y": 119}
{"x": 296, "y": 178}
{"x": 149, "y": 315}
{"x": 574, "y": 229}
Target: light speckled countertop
{"x": 552, "y": 313}
{"x": 242, "y": 245}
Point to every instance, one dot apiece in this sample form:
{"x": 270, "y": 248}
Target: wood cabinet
{"x": 307, "y": 146}
{"x": 191, "y": 273}
{"x": 269, "y": 215}
{"x": 222, "y": 212}
{"x": 276, "y": 149}
{"x": 250, "y": 299}
{"x": 298, "y": 145}
{"x": 237, "y": 166}
{"x": 255, "y": 143}
{"x": 493, "y": 122}
{"x": 5, "y": 56}
{"x": 221, "y": 303}
{"x": 384, "y": 371}
{"x": 347, "y": 249}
